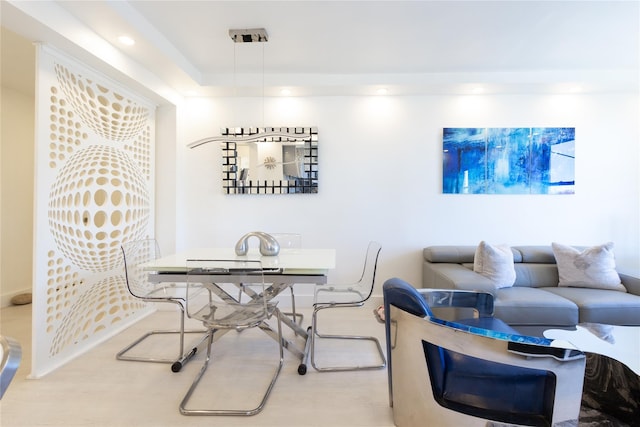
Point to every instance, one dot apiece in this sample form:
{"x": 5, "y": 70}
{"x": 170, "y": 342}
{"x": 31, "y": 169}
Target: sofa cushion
{"x": 449, "y": 253}
{"x": 454, "y": 276}
{"x": 534, "y": 254}
{"x": 536, "y": 275}
{"x": 594, "y": 267}
{"x": 495, "y": 262}
{"x": 602, "y": 306}
{"x": 459, "y": 254}
{"x": 520, "y": 306}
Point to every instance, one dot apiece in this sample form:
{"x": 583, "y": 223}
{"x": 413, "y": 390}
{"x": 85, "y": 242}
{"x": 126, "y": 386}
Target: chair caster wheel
{"x": 302, "y": 369}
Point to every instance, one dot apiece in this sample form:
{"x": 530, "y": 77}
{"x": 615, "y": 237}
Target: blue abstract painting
{"x": 508, "y": 160}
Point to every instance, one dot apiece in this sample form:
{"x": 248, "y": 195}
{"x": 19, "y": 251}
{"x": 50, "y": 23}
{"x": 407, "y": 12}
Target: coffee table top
{"x": 621, "y": 343}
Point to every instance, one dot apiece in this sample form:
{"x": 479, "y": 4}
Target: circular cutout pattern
{"x": 106, "y": 303}
{"x": 63, "y": 285}
{"x": 65, "y": 132}
{"x": 108, "y": 113}
{"x": 99, "y": 196}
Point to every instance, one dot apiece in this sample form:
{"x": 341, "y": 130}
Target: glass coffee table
{"x": 612, "y": 375}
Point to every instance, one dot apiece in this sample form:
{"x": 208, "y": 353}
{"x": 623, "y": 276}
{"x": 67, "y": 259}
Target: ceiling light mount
{"x": 253, "y": 35}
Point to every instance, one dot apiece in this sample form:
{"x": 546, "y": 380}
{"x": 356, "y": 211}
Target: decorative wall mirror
{"x": 270, "y": 160}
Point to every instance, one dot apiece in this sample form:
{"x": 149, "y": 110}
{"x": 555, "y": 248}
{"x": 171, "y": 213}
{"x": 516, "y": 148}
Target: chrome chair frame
{"x": 361, "y": 292}
{"x": 11, "y": 357}
{"x": 417, "y": 394}
{"x": 234, "y": 315}
{"x": 134, "y": 253}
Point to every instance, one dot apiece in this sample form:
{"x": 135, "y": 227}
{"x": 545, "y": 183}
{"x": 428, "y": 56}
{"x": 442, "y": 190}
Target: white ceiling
{"x": 345, "y": 47}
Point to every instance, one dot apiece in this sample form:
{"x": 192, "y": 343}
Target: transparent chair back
{"x": 211, "y": 285}
{"x": 357, "y": 292}
{"x": 290, "y": 241}
{"x": 136, "y": 254}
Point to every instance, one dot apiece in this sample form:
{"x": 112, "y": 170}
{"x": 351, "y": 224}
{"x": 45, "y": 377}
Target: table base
{"x": 612, "y": 389}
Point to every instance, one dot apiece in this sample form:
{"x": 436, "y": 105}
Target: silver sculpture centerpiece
{"x": 269, "y": 246}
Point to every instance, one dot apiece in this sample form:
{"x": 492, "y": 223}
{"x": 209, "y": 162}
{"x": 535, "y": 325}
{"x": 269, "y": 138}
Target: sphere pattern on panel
{"x": 139, "y": 149}
{"x": 65, "y": 132}
{"x": 63, "y": 285}
{"x": 98, "y": 198}
{"x": 105, "y": 303}
{"x": 109, "y": 114}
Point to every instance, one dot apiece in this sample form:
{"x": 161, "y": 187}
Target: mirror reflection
{"x": 272, "y": 165}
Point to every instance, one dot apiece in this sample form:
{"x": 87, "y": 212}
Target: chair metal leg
{"x": 177, "y": 362}
{"x": 9, "y": 362}
{"x": 296, "y": 317}
{"x": 315, "y": 334}
{"x": 233, "y": 412}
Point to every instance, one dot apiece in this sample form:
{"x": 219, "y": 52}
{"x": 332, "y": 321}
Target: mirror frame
{"x": 231, "y": 183}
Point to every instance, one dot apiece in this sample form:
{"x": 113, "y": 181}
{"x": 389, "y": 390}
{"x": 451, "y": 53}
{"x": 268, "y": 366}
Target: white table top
{"x": 292, "y": 261}
{"x": 621, "y": 343}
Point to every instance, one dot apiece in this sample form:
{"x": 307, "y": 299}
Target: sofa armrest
{"x": 631, "y": 283}
{"x": 454, "y": 276}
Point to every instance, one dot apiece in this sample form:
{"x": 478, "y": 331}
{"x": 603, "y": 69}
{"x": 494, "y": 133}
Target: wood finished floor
{"x": 97, "y": 390}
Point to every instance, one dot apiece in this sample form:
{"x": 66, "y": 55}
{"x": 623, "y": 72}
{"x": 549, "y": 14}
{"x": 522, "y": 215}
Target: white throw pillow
{"x": 496, "y": 263}
{"x": 594, "y": 267}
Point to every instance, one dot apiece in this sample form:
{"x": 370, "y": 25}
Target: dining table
{"x": 290, "y": 266}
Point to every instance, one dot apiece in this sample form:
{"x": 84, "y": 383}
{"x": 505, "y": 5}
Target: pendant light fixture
{"x": 255, "y": 35}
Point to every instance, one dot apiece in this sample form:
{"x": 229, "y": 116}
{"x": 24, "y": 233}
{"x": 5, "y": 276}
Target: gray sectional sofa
{"x": 535, "y": 300}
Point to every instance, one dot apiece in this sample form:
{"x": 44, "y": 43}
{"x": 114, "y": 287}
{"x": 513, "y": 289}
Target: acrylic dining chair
{"x": 333, "y": 296}
{"x": 210, "y": 285}
{"x": 290, "y": 241}
{"x": 135, "y": 255}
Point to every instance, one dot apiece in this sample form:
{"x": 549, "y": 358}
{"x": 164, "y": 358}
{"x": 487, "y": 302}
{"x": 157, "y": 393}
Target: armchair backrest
{"x": 467, "y": 371}
{"x": 403, "y": 295}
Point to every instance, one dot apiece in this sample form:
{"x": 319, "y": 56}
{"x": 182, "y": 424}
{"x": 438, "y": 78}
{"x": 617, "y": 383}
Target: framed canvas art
{"x": 508, "y": 160}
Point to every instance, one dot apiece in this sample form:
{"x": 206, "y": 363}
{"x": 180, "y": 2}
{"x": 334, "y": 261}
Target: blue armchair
{"x": 453, "y": 371}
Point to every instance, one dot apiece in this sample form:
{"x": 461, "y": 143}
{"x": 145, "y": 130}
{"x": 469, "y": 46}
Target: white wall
{"x": 380, "y": 165}
{"x": 166, "y": 183}
{"x": 17, "y": 174}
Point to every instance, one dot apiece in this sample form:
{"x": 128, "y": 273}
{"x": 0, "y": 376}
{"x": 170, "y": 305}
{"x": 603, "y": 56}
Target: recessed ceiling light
{"x": 126, "y": 40}
{"x": 477, "y": 90}
{"x": 382, "y": 91}
{"x": 285, "y": 92}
